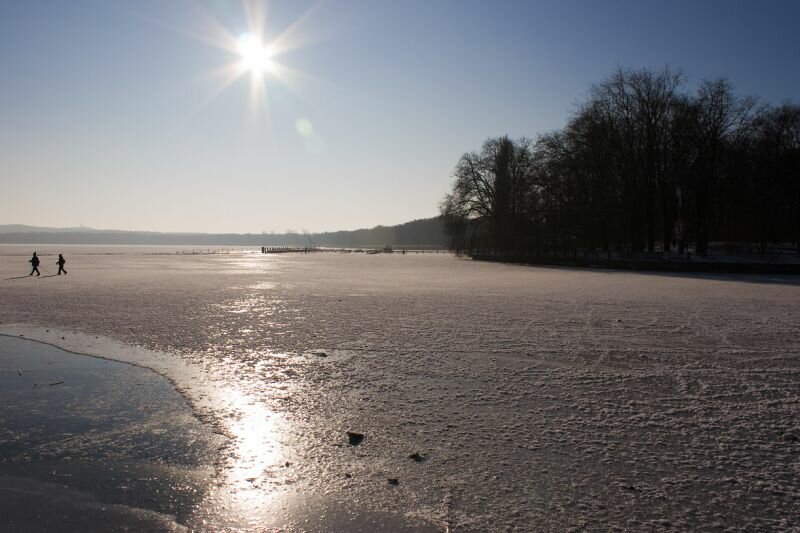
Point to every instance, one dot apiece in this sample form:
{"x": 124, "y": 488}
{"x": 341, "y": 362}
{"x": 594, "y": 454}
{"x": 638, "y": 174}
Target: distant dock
{"x": 366, "y": 250}
{"x": 289, "y": 250}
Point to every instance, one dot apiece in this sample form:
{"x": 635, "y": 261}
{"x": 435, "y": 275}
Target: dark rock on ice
{"x": 354, "y": 438}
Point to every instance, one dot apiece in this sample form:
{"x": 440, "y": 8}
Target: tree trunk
{"x": 666, "y": 221}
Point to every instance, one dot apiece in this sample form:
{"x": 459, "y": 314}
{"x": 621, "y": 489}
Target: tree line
{"x": 641, "y": 165}
{"x": 421, "y": 233}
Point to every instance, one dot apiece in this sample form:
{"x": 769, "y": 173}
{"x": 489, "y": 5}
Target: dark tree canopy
{"x": 491, "y": 193}
{"x": 642, "y": 165}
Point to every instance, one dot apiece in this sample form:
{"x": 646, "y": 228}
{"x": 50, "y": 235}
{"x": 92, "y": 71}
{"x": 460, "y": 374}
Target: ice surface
{"x": 88, "y": 444}
{"x": 543, "y": 399}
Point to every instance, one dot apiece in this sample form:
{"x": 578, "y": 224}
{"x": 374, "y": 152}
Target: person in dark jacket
{"x": 60, "y": 264}
{"x": 34, "y": 261}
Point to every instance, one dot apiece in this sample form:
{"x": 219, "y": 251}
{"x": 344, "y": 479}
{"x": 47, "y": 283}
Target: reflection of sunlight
{"x": 250, "y": 480}
{"x": 255, "y": 430}
{"x": 251, "y": 263}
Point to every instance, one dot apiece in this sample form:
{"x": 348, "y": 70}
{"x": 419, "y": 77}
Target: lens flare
{"x": 304, "y": 127}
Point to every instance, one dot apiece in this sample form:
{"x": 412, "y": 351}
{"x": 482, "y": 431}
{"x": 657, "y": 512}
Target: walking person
{"x": 34, "y": 261}
{"x": 60, "y": 264}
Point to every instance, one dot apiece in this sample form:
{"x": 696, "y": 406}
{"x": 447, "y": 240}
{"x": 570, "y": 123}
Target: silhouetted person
{"x": 60, "y": 264}
{"x": 34, "y": 261}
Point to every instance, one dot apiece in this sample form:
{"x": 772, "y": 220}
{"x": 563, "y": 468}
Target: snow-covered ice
{"x": 541, "y": 398}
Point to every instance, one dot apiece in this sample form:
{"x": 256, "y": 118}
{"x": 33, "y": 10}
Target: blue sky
{"x": 107, "y": 117}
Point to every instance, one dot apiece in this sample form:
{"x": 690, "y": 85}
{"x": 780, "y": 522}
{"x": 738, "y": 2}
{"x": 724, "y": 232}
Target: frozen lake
{"x": 539, "y": 398}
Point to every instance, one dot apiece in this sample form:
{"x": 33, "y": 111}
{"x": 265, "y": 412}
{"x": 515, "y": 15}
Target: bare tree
{"x": 638, "y": 161}
{"x": 722, "y": 119}
{"x": 775, "y": 184}
{"x": 639, "y": 104}
{"x": 488, "y": 199}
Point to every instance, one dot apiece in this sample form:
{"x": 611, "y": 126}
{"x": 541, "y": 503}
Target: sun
{"x": 256, "y": 57}
{"x": 257, "y": 54}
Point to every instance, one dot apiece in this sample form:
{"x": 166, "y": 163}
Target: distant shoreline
{"x": 422, "y": 233}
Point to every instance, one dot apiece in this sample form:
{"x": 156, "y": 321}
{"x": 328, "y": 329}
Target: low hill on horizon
{"x": 23, "y": 228}
{"x": 426, "y": 233}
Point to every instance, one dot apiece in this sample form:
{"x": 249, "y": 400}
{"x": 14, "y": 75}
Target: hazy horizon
{"x": 282, "y": 232}
{"x": 153, "y": 116}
